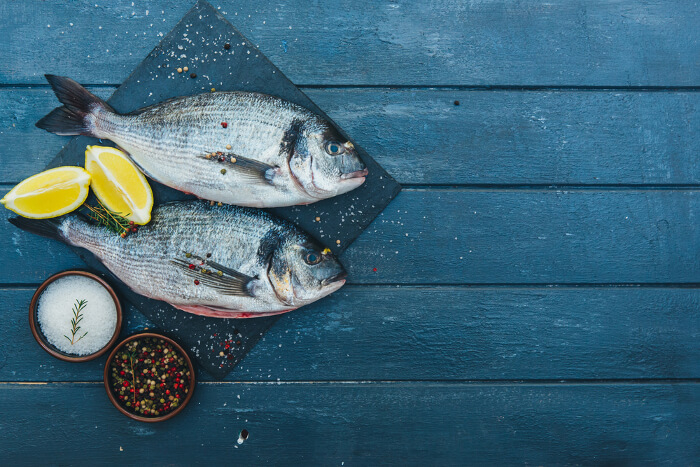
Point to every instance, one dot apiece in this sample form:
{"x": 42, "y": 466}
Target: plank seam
{"x": 449, "y": 285}
{"x": 543, "y": 382}
{"x": 446, "y": 87}
{"x": 504, "y": 187}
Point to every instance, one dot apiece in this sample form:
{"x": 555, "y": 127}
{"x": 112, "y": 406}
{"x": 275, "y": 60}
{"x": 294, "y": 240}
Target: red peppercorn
{"x": 191, "y": 266}
{"x": 374, "y": 269}
{"x": 177, "y": 396}
{"x": 126, "y": 384}
{"x": 224, "y": 124}
{"x": 167, "y": 391}
{"x": 131, "y": 390}
{"x": 121, "y": 373}
{"x": 131, "y": 222}
{"x": 196, "y": 282}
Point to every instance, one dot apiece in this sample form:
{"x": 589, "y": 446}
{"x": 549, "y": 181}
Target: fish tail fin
{"x": 79, "y": 111}
{"x": 50, "y": 228}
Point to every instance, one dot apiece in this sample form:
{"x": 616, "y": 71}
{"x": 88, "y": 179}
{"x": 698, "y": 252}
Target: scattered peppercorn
{"x": 213, "y": 89}
{"x": 228, "y": 146}
{"x": 224, "y": 124}
{"x": 223, "y": 171}
{"x": 456, "y": 102}
{"x": 318, "y": 219}
{"x": 233, "y": 160}
{"x": 227, "y": 46}
{"x": 193, "y": 75}
{"x": 188, "y": 255}
{"x": 185, "y": 69}
{"x": 208, "y": 255}
{"x": 179, "y": 70}
{"x": 337, "y": 242}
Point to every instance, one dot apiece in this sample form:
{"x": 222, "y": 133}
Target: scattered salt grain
{"x": 55, "y": 311}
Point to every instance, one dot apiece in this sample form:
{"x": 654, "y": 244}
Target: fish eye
{"x": 312, "y": 258}
{"x": 334, "y": 148}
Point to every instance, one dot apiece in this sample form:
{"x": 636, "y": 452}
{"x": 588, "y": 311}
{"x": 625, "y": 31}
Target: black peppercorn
{"x": 227, "y": 46}
{"x": 193, "y": 75}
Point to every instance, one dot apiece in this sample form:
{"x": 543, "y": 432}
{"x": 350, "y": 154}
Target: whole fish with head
{"x": 221, "y": 261}
{"x": 241, "y": 148}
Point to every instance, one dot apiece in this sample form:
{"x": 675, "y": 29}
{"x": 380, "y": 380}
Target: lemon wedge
{"x": 51, "y": 193}
{"x": 119, "y": 184}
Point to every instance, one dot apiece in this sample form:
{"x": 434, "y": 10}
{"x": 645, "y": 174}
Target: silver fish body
{"x": 222, "y": 261}
{"x": 240, "y": 148}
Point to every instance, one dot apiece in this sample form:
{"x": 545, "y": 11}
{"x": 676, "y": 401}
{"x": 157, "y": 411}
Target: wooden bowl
{"x": 41, "y": 339}
{"x": 141, "y": 418}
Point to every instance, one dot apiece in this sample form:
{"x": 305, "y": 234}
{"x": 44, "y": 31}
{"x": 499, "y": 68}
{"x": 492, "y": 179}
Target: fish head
{"x": 325, "y": 163}
{"x": 302, "y": 272}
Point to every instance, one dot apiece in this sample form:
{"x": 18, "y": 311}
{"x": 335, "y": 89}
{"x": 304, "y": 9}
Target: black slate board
{"x": 197, "y": 42}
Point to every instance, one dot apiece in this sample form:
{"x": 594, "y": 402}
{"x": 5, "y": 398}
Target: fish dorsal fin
{"x": 216, "y": 276}
{"x": 248, "y": 168}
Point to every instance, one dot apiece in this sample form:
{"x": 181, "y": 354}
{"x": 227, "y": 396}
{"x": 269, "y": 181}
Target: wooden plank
{"x": 441, "y": 333}
{"x": 485, "y": 237}
{"x": 495, "y": 137}
{"x": 369, "y": 424}
{"x": 562, "y": 42}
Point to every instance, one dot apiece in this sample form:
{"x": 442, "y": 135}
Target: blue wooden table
{"x": 535, "y": 298}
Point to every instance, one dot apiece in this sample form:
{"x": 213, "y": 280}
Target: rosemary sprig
{"x": 75, "y": 321}
{"x": 132, "y": 357}
{"x": 114, "y": 221}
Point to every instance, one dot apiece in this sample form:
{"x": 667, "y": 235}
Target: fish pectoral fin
{"x": 249, "y": 168}
{"x": 225, "y": 280}
{"x": 255, "y": 169}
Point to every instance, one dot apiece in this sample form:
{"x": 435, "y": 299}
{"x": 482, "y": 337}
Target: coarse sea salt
{"x": 55, "y": 311}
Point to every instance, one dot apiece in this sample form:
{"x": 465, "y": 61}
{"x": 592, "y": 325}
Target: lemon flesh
{"x": 51, "y": 193}
{"x": 119, "y": 184}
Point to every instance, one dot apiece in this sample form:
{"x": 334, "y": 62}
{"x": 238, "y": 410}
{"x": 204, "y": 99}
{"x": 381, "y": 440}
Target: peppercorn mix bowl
{"x": 149, "y": 377}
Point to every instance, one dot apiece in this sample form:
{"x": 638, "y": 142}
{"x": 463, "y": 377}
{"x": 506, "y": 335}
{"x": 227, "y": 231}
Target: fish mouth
{"x": 337, "y": 278}
{"x": 356, "y": 174}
